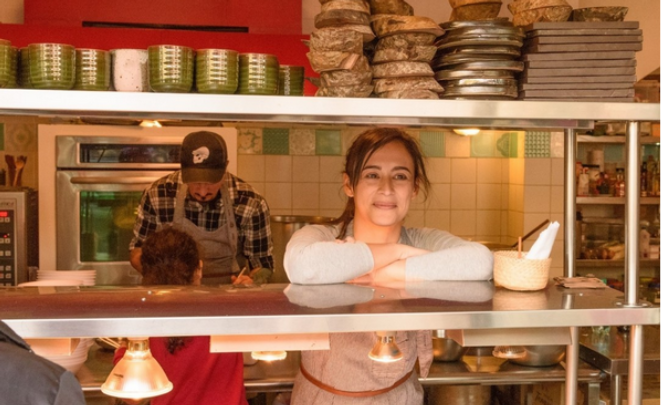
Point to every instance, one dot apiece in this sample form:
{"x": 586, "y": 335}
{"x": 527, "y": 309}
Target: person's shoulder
{"x": 418, "y": 233}
{"x": 319, "y": 231}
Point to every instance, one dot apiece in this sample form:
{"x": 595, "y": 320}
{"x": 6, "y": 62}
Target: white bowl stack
{"x": 88, "y": 277}
{"x": 74, "y": 361}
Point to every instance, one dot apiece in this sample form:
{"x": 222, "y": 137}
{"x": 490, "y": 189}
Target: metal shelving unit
{"x": 577, "y": 308}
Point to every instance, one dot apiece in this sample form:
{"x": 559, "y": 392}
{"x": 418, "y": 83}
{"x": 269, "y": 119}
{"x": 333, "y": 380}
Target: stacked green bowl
{"x": 217, "y": 71}
{"x": 13, "y": 72}
{"x": 52, "y": 66}
{"x": 258, "y": 73}
{"x": 171, "y": 68}
{"x": 290, "y": 82}
{"x": 5, "y": 62}
{"x": 24, "y": 68}
{"x": 92, "y": 70}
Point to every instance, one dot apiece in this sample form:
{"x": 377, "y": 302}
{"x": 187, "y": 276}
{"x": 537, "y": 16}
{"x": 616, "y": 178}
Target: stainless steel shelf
{"x": 449, "y": 113}
{"x": 278, "y": 309}
{"x": 645, "y": 140}
{"x": 608, "y": 200}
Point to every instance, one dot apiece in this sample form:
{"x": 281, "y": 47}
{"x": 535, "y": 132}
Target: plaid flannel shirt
{"x": 251, "y": 213}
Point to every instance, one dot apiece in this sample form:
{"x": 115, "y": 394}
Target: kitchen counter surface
{"x": 293, "y": 309}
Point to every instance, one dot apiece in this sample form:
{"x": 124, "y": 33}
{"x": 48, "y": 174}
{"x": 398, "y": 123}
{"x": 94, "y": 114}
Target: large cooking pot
{"x": 282, "y": 228}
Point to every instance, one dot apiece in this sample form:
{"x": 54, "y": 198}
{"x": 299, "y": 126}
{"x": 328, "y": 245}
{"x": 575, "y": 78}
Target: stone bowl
{"x": 599, "y": 14}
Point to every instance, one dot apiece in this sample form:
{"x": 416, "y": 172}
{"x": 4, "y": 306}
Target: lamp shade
{"x": 137, "y": 375}
{"x": 385, "y": 350}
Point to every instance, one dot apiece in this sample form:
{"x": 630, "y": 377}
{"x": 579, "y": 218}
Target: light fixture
{"x": 269, "y": 355}
{"x": 137, "y": 375}
{"x": 150, "y": 124}
{"x": 385, "y": 350}
{"x": 467, "y": 131}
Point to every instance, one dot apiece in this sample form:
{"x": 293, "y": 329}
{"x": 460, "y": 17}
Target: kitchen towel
{"x": 542, "y": 247}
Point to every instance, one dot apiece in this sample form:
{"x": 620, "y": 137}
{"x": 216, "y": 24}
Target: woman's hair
{"x": 363, "y": 148}
{"x": 170, "y": 256}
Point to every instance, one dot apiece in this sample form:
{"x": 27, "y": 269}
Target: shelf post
{"x": 632, "y": 215}
{"x": 570, "y": 202}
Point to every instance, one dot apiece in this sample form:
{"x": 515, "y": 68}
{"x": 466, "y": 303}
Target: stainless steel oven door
{"x": 95, "y": 215}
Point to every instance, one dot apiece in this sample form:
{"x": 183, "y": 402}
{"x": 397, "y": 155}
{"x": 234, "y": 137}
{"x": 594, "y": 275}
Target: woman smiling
{"x": 384, "y": 172}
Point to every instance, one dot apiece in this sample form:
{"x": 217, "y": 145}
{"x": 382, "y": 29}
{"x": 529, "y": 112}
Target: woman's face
{"x": 385, "y": 187}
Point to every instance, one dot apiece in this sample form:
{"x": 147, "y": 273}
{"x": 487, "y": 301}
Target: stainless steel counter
{"x": 294, "y": 309}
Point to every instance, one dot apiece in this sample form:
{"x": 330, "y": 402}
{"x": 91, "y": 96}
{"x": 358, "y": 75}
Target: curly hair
{"x": 170, "y": 257}
{"x": 360, "y": 152}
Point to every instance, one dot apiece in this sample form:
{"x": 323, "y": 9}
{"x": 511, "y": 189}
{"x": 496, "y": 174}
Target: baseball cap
{"x": 203, "y": 157}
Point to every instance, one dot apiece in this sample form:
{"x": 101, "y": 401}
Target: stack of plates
{"x": 583, "y": 61}
{"x": 88, "y": 277}
{"x": 171, "y": 68}
{"x": 290, "y": 80}
{"x": 92, "y": 69}
{"x": 258, "y": 73}
{"x": 479, "y": 59}
{"x": 24, "y": 68}
{"x": 217, "y": 71}
{"x": 52, "y": 66}
{"x": 74, "y": 361}
{"x": 5, "y": 62}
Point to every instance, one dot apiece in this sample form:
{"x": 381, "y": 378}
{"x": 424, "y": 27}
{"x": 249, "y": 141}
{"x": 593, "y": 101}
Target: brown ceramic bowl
{"x": 599, "y": 14}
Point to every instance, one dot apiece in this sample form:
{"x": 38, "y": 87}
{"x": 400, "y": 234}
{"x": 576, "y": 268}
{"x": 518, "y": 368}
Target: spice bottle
{"x": 583, "y": 186}
{"x": 619, "y": 183}
{"x": 644, "y": 240}
{"x": 643, "y": 180}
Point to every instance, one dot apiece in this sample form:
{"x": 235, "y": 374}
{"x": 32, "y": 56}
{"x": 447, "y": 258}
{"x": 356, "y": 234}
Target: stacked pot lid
{"x": 479, "y": 59}
{"x": 402, "y": 55}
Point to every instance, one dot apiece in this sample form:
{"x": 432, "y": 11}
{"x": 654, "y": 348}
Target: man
{"x": 27, "y": 379}
{"x": 226, "y": 216}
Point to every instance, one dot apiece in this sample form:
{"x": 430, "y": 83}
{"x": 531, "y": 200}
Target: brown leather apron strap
{"x": 355, "y": 394}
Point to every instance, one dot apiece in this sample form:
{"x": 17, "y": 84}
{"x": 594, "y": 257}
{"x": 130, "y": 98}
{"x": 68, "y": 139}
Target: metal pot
{"x": 446, "y": 349}
{"x": 541, "y": 356}
{"x": 470, "y": 394}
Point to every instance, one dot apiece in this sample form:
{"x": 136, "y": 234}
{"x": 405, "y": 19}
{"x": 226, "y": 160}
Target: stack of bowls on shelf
{"x": 130, "y": 70}
{"x": 5, "y": 62}
{"x": 24, "y": 68}
{"x": 217, "y": 71}
{"x": 92, "y": 70}
{"x": 171, "y": 68}
{"x": 290, "y": 80}
{"x": 13, "y": 69}
{"x": 88, "y": 277}
{"x": 52, "y": 66}
{"x": 258, "y": 73}
{"x": 74, "y": 361}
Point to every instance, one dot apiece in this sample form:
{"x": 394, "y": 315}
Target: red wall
{"x": 281, "y": 17}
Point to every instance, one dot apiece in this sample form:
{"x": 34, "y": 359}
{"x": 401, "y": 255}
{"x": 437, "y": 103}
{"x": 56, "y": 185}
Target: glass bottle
{"x": 619, "y": 183}
{"x": 583, "y": 186}
{"x": 643, "y": 180}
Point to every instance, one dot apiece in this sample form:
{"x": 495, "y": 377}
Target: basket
{"x": 520, "y": 274}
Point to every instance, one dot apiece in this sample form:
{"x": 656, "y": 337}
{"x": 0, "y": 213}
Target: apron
{"x": 217, "y": 248}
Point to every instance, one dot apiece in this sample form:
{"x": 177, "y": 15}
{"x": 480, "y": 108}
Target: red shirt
{"x": 199, "y": 377}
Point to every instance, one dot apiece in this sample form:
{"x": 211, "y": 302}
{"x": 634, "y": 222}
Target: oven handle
{"x": 112, "y": 180}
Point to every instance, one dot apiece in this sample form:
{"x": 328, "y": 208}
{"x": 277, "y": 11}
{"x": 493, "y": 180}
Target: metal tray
{"x": 480, "y": 82}
{"x": 495, "y": 22}
{"x": 468, "y": 32}
{"x": 492, "y": 41}
{"x": 512, "y": 51}
{"x": 503, "y": 91}
{"x": 443, "y": 75}
{"x": 511, "y": 65}
{"x": 451, "y": 60}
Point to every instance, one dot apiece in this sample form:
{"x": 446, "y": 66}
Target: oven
{"x": 99, "y": 181}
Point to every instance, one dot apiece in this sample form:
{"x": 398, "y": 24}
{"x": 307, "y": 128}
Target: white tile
{"x": 305, "y": 212}
{"x": 278, "y": 195}
{"x": 462, "y": 223}
{"x": 505, "y": 197}
{"x": 489, "y": 171}
{"x": 557, "y": 144}
{"x": 281, "y": 211}
{"x": 488, "y": 223}
{"x": 439, "y": 170}
{"x": 537, "y": 199}
{"x": 278, "y": 168}
{"x": 439, "y": 197}
{"x": 516, "y": 198}
{"x": 464, "y": 170}
{"x": 463, "y": 196}
{"x": 305, "y": 196}
{"x": 516, "y": 171}
{"x": 439, "y": 219}
{"x": 557, "y": 199}
{"x": 331, "y": 196}
{"x": 415, "y": 219}
{"x": 557, "y": 172}
{"x": 537, "y": 171}
{"x": 330, "y": 169}
{"x": 505, "y": 171}
{"x": 251, "y": 167}
{"x": 331, "y": 212}
{"x": 457, "y": 145}
{"x": 305, "y": 169}
{"x": 259, "y": 187}
{"x": 504, "y": 224}
{"x": 515, "y": 225}
{"x": 489, "y": 196}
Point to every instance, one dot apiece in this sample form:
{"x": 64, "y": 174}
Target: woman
{"x": 171, "y": 257}
{"x": 384, "y": 172}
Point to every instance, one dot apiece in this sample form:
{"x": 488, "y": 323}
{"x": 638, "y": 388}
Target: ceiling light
{"x": 385, "y": 350}
{"x": 150, "y": 124}
{"x": 137, "y": 375}
{"x": 467, "y": 131}
{"x": 269, "y": 355}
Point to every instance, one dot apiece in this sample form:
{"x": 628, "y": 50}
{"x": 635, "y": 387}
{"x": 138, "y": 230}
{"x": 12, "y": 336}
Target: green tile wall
{"x": 432, "y": 143}
{"x": 537, "y": 144}
{"x": 328, "y": 142}
{"x": 275, "y": 141}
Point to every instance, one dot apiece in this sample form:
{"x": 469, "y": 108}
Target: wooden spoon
{"x": 20, "y": 164}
